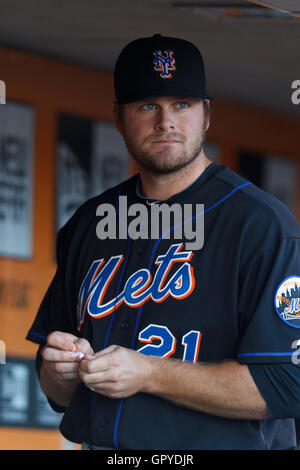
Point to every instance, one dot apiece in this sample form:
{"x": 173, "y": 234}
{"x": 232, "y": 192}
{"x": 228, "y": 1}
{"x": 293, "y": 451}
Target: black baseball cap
{"x": 159, "y": 66}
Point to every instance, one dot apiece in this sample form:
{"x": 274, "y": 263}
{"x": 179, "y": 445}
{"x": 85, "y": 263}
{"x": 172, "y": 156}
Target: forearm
{"x": 226, "y": 389}
{"x": 61, "y": 392}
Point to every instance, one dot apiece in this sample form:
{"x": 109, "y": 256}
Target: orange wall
{"x": 52, "y": 86}
{"x": 31, "y": 439}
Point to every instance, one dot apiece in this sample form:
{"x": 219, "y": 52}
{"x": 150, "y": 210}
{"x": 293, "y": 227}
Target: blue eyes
{"x": 147, "y": 107}
{"x": 178, "y": 105}
{"x": 182, "y": 105}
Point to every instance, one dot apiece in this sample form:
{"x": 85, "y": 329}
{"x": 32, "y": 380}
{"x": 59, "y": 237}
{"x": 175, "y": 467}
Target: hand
{"x": 60, "y": 357}
{"x": 116, "y": 372}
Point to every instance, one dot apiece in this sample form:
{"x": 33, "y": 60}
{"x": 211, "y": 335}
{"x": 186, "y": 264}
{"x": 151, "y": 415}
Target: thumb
{"x": 82, "y": 345}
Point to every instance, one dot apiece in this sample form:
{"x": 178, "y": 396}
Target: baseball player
{"x": 147, "y": 343}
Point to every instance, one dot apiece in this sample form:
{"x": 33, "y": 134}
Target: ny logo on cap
{"x": 164, "y": 64}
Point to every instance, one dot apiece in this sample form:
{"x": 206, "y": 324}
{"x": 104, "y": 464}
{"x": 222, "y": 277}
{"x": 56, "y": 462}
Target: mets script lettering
{"x": 139, "y": 287}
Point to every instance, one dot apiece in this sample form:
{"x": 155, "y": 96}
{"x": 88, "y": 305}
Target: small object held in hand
{"x": 80, "y": 355}
{"x": 92, "y": 389}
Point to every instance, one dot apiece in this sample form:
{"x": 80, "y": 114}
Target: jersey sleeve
{"x": 279, "y": 384}
{"x": 269, "y": 303}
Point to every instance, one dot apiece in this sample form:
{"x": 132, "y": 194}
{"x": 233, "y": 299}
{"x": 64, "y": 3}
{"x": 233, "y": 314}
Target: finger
{"x": 64, "y": 367}
{"x": 103, "y": 352}
{"x": 103, "y": 358}
{"x": 98, "y": 378}
{"x": 98, "y": 364}
{"x": 56, "y": 355}
{"x": 107, "y": 350}
{"x": 88, "y": 358}
{"x": 83, "y": 345}
{"x": 61, "y": 340}
{"x": 80, "y": 355}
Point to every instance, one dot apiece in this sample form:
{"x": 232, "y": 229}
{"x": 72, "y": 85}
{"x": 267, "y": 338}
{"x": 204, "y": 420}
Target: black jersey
{"x": 237, "y": 297}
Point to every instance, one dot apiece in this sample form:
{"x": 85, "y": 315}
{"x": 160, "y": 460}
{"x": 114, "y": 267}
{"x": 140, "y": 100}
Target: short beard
{"x": 165, "y": 165}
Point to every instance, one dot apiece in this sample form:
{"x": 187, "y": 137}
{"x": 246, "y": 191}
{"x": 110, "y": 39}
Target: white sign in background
{"x": 2, "y": 92}
{"x": 2, "y": 352}
{"x": 16, "y": 179}
{"x": 22, "y": 402}
{"x": 109, "y": 166}
{"x": 109, "y": 158}
{"x": 14, "y": 401}
{"x": 72, "y": 183}
{"x": 280, "y": 179}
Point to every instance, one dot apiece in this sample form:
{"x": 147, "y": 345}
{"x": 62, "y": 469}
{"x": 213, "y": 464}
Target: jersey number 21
{"x": 166, "y": 347}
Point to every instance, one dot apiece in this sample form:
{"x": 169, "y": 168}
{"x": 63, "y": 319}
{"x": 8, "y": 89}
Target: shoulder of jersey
{"x": 258, "y": 203}
{"x": 87, "y": 210}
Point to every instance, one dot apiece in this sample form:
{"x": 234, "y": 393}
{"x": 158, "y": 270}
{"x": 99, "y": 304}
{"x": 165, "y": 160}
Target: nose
{"x": 164, "y": 121}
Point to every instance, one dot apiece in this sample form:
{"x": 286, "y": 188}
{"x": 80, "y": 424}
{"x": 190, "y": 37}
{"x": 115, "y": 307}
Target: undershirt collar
{"x": 198, "y": 182}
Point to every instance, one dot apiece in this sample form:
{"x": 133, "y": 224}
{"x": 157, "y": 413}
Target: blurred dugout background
{"x": 58, "y": 145}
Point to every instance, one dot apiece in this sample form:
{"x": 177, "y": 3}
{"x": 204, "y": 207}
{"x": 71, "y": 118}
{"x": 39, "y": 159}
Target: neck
{"x": 165, "y": 186}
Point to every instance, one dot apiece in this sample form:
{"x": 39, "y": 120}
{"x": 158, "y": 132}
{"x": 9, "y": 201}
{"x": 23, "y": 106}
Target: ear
{"x": 207, "y": 115}
{"x": 116, "y": 116}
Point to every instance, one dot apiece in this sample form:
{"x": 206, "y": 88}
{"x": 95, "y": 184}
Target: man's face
{"x": 165, "y": 134}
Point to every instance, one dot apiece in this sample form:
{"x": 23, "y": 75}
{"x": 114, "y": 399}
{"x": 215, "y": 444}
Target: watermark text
{"x": 295, "y": 355}
{"x": 296, "y": 94}
{"x": 138, "y": 221}
{"x": 2, "y": 92}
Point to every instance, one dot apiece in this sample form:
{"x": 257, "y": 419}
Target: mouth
{"x": 166, "y": 142}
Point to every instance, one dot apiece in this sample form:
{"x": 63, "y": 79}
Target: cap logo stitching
{"x": 164, "y": 63}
